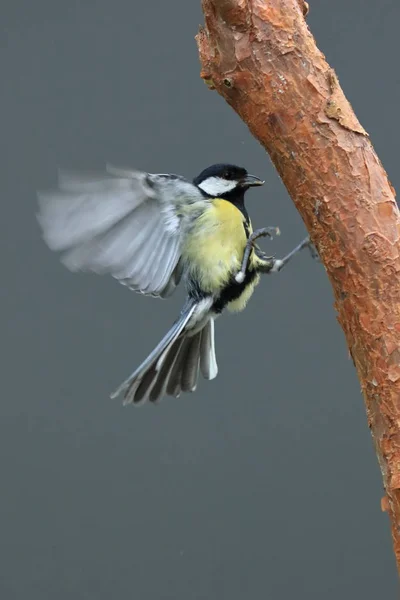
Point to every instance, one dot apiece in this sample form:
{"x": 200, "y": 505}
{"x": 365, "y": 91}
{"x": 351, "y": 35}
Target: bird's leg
{"x": 269, "y": 264}
{"x": 265, "y": 231}
{"x": 274, "y": 265}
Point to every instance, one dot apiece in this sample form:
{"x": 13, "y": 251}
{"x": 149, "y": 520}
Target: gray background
{"x": 262, "y": 484}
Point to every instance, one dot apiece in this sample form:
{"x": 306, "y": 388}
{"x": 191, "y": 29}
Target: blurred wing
{"x": 125, "y": 223}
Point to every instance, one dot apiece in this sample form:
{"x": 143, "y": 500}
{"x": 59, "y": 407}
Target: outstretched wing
{"x": 126, "y": 223}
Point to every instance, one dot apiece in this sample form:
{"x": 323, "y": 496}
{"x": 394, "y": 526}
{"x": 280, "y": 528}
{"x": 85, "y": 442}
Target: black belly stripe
{"x": 232, "y": 291}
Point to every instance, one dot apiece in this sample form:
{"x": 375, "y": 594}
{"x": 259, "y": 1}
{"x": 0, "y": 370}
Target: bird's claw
{"x": 264, "y": 232}
{"x": 313, "y": 251}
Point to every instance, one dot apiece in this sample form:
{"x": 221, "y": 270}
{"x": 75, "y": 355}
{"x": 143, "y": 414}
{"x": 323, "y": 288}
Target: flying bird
{"x": 152, "y": 232}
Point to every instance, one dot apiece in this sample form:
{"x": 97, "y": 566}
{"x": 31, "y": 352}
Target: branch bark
{"x": 261, "y": 57}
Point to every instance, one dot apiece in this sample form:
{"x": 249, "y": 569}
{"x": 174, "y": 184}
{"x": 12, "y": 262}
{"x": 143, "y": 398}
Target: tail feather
{"x": 130, "y": 385}
{"x": 140, "y": 392}
{"x": 159, "y": 388}
{"x": 173, "y": 366}
{"x": 174, "y": 385}
{"x": 208, "y": 361}
{"x": 190, "y": 367}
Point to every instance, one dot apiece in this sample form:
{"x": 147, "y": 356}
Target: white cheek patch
{"x": 215, "y": 186}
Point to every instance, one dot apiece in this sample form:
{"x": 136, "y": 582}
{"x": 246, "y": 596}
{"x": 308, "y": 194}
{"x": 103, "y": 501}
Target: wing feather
{"x": 126, "y": 223}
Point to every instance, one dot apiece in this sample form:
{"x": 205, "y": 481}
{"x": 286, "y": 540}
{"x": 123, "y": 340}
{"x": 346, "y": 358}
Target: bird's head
{"x": 222, "y": 180}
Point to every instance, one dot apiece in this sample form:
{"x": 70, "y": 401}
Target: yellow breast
{"x": 215, "y": 249}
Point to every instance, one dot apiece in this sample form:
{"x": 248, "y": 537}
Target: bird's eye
{"x": 226, "y": 175}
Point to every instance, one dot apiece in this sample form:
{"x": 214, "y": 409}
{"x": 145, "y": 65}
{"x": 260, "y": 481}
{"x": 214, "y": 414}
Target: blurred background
{"x": 264, "y": 483}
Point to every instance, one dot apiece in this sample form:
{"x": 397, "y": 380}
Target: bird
{"x": 152, "y": 232}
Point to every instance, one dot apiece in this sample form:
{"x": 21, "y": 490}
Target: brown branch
{"x": 261, "y": 57}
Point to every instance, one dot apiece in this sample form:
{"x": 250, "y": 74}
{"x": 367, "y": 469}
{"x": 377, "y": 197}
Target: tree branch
{"x": 261, "y": 57}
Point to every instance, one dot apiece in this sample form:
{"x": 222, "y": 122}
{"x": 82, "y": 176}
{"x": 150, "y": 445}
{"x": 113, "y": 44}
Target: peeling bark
{"x": 261, "y": 57}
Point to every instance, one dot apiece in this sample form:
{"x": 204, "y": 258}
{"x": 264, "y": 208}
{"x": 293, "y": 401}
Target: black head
{"x": 222, "y": 180}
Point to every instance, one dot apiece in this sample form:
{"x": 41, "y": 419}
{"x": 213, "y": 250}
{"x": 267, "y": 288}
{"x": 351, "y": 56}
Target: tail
{"x": 173, "y": 366}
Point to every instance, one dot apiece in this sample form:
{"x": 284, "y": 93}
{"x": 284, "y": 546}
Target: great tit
{"x": 152, "y": 231}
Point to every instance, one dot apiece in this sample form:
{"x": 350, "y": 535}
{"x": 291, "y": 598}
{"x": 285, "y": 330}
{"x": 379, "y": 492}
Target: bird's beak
{"x": 251, "y": 181}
